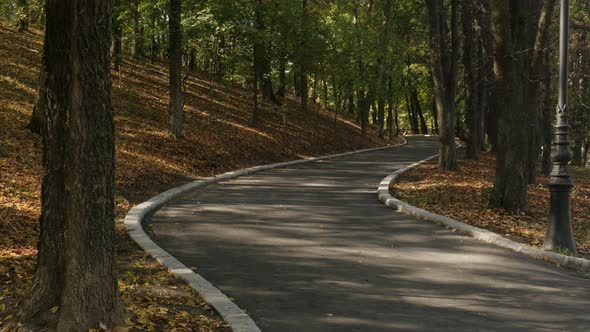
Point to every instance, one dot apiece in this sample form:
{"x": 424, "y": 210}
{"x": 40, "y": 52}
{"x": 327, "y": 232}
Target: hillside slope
{"x": 218, "y": 139}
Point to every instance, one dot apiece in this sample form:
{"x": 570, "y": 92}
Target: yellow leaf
{"x": 7, "y": 318}
{"x": 143, "y": 320}
{"x": 92, "y": 330}
{"x": 2, "y": 307}
{"x": 54, "y": 309}
{"x": 120, "y": 329}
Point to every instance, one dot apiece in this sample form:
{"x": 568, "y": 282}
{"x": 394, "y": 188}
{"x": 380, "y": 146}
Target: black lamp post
{"x": 559, "y": 230}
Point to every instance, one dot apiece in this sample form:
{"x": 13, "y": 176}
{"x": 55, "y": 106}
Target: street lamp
{"x": 559, "y": 230}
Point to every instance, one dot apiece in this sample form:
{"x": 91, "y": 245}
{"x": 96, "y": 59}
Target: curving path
{"x": 310, "y": 248}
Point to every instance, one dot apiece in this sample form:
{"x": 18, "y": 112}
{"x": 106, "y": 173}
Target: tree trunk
{"x": 514, "y": 37}
{"x": 154, "y": 47}
{"x": 487, "y": 79}
{"x": 282, "y": 91}
{"x": 390, "y": 129}
{"x": 254, "y": 120}
{"x": 547, "y": 122}
{"x": 536, "y": 89}
{"x": 411, "y": 115}
{"x": 472, "y": 111}
{"x": 444, "y": 58}
{"x": 24, "y": 15}
{"x": 325, "y": 101}
{"x": 175, "y": 56}
{"x": 435, "y": 117}
{"x": 303, "y": 89}
{"x": 192, "y": 59}
{"x": 350, "y": 102}
{"x": 137, "y": 31}
{"x": 482, "y": 95}
{"x": 37, "y": 118}
{"x": 314, "y": 95}
{"x": 117, "y": 36}
{"x": 419, "y": 115}
{"x": 76, "y": 268}
{"x": 362, "y": 109}
{"x": 382, "y": 61}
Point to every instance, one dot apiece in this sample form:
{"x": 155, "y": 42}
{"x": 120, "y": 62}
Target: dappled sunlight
{"x": 149, "y": 159}
{"x": 17, "y": 84}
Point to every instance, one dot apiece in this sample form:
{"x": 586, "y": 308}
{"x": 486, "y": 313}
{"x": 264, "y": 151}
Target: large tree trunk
{"x": 76, "y": 268}
{"x": 444, "y": 59}
{"x": 175, "y": 54}
{"x": 472, "y": 109}
{"x": 488, "y": 82}
{"x": 513, "y": 27}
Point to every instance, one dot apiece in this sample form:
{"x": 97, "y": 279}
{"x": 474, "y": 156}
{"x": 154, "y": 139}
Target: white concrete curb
{"x": 237, "y": 318}
{"x": 574, "y": 263}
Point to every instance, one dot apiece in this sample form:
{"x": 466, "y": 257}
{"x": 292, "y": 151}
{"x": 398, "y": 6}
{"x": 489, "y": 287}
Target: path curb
{"x": 573, "y": 263}
{"x": 237, "y": 318}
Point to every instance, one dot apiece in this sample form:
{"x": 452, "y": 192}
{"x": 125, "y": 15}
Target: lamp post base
{"x": 559, "y": 230}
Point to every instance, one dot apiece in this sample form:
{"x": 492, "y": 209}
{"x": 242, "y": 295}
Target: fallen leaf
{"x": 120, "y": 329}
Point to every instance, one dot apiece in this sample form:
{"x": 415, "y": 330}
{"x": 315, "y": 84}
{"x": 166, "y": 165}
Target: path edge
{"x": 574, "y": 263}
{"x": 234, "y": 316}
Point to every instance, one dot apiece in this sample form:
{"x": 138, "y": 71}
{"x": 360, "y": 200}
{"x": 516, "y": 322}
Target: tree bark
{"x": 282, "y": 90}
{"x": 535, "y": 96}
{"x": 137, "y": 31}
{"x": 390, "y": 107}
{"x": 76, "y": 268}
{"x": 419, "y": 115}
{"x": 175, "y": 55}
{"x": 412, "y": 118}
{"x": 472, "y": 111}
{"x": 382, "y": 61}
{"x": 37, "y": 118}
{"x": 155, "y": 46}
{"x": 547, "y": 123}
{"x": 514, "y": 36}
{"x": 488, "y": 80}
{"x": 444, "y": 58}
{"x": 254, "y": 119}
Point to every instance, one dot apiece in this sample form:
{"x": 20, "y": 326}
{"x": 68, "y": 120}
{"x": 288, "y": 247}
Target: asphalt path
{"x": 310, "y": 248}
